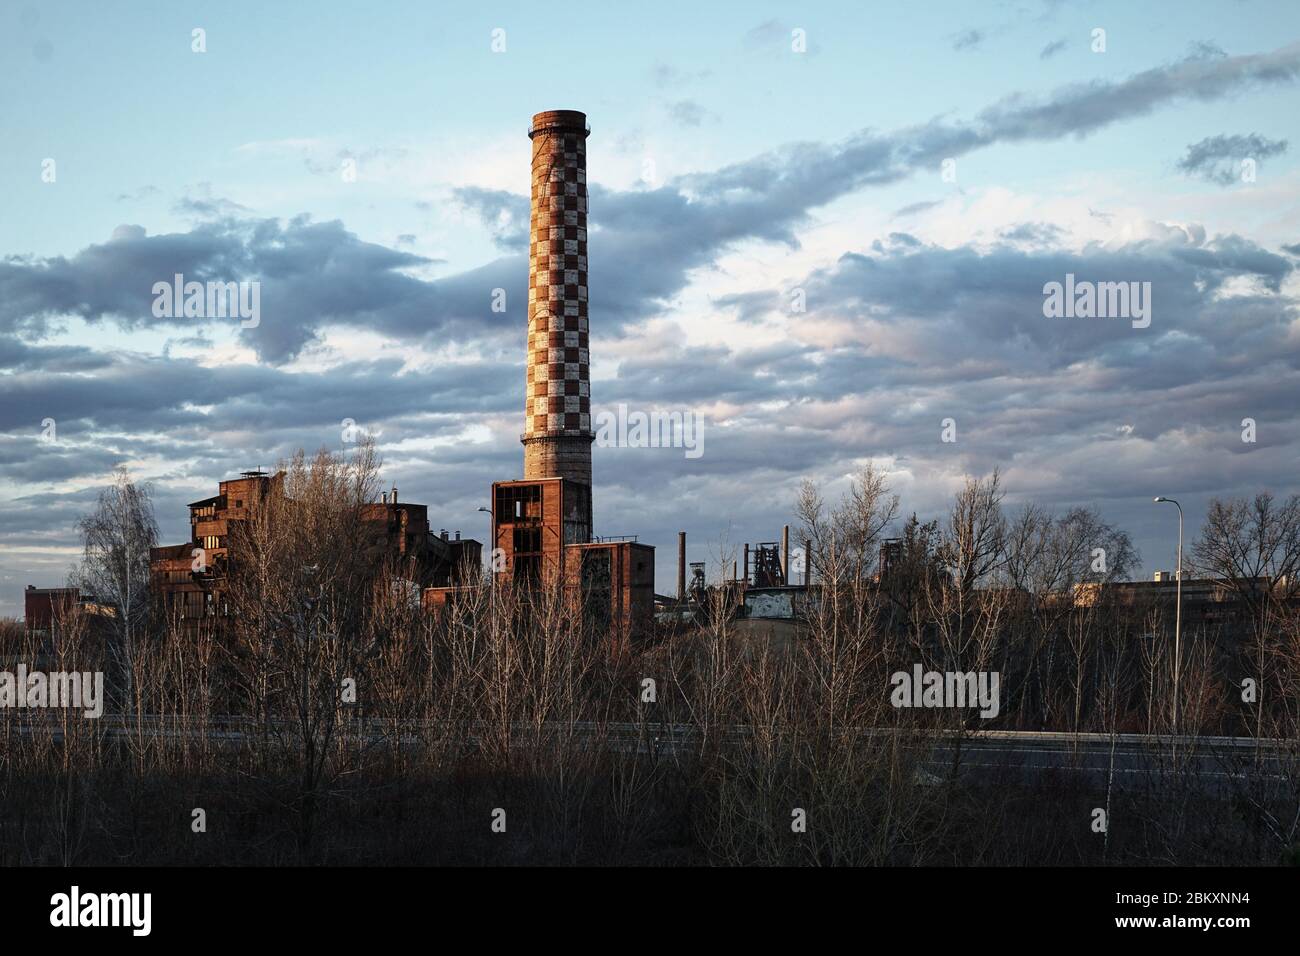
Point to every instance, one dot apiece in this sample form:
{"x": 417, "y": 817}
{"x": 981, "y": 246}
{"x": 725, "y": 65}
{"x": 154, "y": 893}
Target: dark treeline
{"x": 330, "y": 719}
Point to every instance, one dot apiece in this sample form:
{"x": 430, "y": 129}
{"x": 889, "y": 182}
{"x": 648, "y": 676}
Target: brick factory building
{"x": 43, "y": 608}
{"x": 188, "y": 580}
{"x": 542, "y": 524}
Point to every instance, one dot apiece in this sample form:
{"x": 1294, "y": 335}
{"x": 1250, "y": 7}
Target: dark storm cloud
{"x": 505, "y": 214}
{"x": 910, "y": 333}
{"x": 210, "y": 423}
{"x": 962, "y": 302}
{"x": 312, "y": 275}
{"x": 1033, "y": 233}
{"x": 1073, "y": 411}
{"x": 1218, "y": 159}
{"x": 963, "y": 331}
{"x": 317, "y": 274}
{"x": 167, "y": 396}
{"x": 17, "y": 355}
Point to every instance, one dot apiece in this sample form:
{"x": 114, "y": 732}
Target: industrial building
{"x": 542, "y": 524}
{"x": 44, "y": 608}
{"x": 189, "y": 580}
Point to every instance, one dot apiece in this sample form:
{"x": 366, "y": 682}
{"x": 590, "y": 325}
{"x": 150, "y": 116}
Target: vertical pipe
{"x": 746, "y": 564}
{"x": 785, "y": 554}
{"x": 681, "y": 565}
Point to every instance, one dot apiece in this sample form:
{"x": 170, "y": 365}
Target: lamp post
{"x": 491, "y": 531}
{"x": 1178, "y": 607}
{"x": 492, "y": 576}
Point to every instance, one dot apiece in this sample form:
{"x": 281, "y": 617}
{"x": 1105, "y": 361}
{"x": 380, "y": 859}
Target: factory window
{"x": 597, "y": 588}
{"x": 519, "y": 502}
{"x": 527, "y": 568}
{"x": 527, "y": 540}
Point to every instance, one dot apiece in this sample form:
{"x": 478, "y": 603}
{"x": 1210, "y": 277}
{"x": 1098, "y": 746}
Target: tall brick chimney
{"x": 557, "y": 413}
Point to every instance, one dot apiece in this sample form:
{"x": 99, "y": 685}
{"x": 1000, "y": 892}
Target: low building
{"x": 541, "y": 535}
{"x": 189, "y": 580}
{"x": 44, "y": 608}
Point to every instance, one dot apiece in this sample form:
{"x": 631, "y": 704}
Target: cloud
{"x": 504, "y": 213}
{"x": 127, "y": 232}
{"x": 775, "y": 36}
{"x": 666, "y": 76}
{"x": 1219, "y": 159}
{"x": 913, "y": 209}
{"x": 201, "y": 203}
{"x": 899, "y": 333}
{"x": 1084, "y": 108}
{"x": 1033, "y": 233}
{"x": 138, "y": 195}
{"x": 967, "y": 39}
{"x": 687, "y": 113}
{"x": 765, "y": 35}
{"x": 1053, "y": 48}
{"x": 312, "y": 275}
{"x": 315, "y": 275}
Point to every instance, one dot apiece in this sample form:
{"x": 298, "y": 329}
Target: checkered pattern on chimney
{"x": 558, "y": 390}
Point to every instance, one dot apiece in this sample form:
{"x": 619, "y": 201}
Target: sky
{"x": 823, "y": 228}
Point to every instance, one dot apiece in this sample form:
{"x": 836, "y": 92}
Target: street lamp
{"x": 492, "y": 576}
{"x": 1178, "y": 608}
{"x": 490, "y": 542}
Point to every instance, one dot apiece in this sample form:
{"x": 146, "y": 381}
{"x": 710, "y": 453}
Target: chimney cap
{"x": 570, "y": 120}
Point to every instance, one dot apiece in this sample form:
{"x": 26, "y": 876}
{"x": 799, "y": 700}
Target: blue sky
{"x": 726, "y": 170}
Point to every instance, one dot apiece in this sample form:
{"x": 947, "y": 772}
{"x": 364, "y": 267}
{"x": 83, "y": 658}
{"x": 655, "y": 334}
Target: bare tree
{"x": 117, "y": 537}
{"x": 1253, "y": 547}
{"x": 299, "y": 589}
{"x": 853, "y": 529}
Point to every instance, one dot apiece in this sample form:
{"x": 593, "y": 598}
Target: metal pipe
{"x": 1178, "y": 609}
{"x": 785, "y": 554}
{"x": 681, "y": 565}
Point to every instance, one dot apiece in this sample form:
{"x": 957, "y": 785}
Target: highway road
{"x": 1118, "y": 761}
